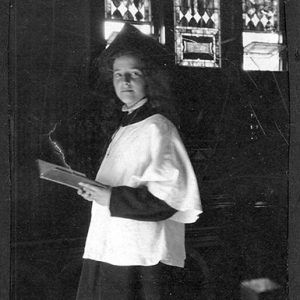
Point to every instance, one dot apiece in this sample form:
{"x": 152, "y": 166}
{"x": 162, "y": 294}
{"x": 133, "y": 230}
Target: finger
{"x": 89, "y": 187}
{"x": 85, "y": 194}
{"x": 80, "y": 192}
{"x": 87, "y": 197}
{"x": 86, "y": 190}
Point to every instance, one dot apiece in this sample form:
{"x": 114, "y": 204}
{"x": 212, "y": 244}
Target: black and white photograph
{"x": 150, "y": 150}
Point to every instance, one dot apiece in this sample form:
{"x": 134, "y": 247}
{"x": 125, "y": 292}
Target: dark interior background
{"x": 235, "y": 126}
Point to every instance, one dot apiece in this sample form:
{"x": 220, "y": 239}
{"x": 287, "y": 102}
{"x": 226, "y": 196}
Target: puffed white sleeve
{"x": 170, "y": 175}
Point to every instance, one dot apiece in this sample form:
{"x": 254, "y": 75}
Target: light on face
{"x": 128, "y": 79}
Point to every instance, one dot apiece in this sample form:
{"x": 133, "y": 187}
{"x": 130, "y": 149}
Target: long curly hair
{"x": 157, "y": 78}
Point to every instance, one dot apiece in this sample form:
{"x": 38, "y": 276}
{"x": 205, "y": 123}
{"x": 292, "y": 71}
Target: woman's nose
{"x": 127, "y": 78}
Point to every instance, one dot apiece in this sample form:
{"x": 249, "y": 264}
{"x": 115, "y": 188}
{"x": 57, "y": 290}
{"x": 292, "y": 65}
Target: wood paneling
{"x": 293, "y": 30}
{"x": 5, "y": 184}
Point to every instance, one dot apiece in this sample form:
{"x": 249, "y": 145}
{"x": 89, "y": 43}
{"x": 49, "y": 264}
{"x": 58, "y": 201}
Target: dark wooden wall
{"x": 51, "y": 49}
{"x": 242, "y": 172}
{"x": 52, "y": 62}
{"x": 4, "y": 155}
{"x": 293, "y": 26}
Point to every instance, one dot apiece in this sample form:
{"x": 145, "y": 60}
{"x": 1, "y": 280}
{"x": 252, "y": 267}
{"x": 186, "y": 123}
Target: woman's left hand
{"x": 94, "y": 193}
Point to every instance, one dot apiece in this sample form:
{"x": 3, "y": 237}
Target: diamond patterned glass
{"x": 262, "y": 39}
{"x": 197, "y": 13}
{"x": 261, "y": 15}
{"x": 130, "y": 10}
{"x": 197, "y": 33}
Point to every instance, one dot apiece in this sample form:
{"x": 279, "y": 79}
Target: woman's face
{"x": 128, "y": 79}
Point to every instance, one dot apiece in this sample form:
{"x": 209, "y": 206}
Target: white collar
{"x": 134, "y": 106}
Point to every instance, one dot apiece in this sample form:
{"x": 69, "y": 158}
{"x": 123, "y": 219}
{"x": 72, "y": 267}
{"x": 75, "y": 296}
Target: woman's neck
{"x": 133, "y": 107}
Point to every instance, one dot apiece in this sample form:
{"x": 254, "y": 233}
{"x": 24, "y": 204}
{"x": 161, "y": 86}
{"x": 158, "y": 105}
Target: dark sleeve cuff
{"x": 138, "y": 204}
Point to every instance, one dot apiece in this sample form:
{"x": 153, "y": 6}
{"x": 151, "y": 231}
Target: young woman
{"x": 136, "y": 234}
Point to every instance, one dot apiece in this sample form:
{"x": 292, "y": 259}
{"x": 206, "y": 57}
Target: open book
{"x": 63, "y": 175}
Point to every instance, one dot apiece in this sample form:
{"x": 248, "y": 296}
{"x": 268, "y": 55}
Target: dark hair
{"x": 157, "y": 77}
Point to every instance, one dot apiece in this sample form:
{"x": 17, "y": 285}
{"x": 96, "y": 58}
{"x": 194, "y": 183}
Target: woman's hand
{"x": 94, "y": 193}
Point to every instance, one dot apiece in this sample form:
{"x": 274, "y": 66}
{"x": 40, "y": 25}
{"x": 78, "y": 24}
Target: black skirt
{"x": 108, "y": 282}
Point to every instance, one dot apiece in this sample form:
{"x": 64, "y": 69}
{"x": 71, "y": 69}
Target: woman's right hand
{"x": 95, "y": 193}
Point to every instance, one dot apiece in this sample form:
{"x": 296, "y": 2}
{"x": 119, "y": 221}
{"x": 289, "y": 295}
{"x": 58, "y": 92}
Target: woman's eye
{"x": 117, "y": 75}
{"x": 136, "y": 74}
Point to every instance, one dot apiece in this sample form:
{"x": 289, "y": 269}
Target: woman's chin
{"x": 129, "y": 102}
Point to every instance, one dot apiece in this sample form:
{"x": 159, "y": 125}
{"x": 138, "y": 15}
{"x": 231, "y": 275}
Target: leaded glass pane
{"x": 262, "y": 38}
{"x": 261, "y": 15}
{"x": 197, "y": 13}
{"x": 197, "y": 33}
{"x": 117, "y": 12}
{"x": 128, "y": 10}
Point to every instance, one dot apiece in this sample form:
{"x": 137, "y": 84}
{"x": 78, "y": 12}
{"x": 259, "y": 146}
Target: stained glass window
{"x": 261, "y": 15}
{"x": 197, "y": 33}
{"x": 262, "y": 38}
{"x": 138, "y": 12}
